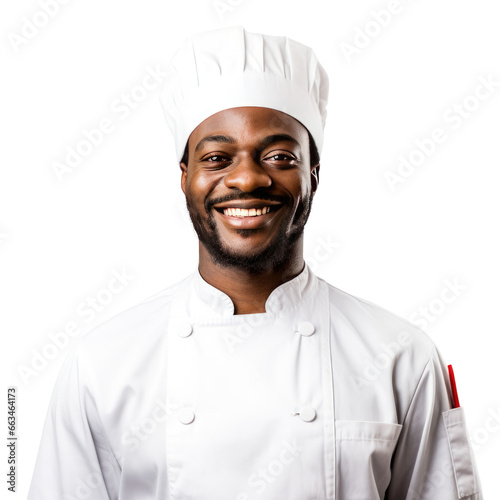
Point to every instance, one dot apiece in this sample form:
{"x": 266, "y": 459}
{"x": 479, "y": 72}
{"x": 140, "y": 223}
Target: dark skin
{"x": 248, "y": 263}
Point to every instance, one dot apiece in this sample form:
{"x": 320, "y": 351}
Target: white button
{"x": 306, "y": 328}
{"x": 307, "y": 414}
{"x": 184, "y": 329}
{"x": 185, "y": 416}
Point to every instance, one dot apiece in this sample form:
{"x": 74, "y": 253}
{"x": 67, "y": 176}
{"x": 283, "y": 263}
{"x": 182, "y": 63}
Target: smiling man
{"x": 252, "y": 378}
{"x": 249, "y": 189}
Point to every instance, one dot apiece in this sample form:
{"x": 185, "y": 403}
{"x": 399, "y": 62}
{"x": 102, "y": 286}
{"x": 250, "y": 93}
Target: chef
{"x": 252, "y": 378}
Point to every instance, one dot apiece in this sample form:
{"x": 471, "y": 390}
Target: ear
{"x": 315, "y": 178}
{"x": 183, "y": 167}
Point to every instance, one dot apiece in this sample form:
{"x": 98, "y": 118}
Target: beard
{"x": 275, "y": 256}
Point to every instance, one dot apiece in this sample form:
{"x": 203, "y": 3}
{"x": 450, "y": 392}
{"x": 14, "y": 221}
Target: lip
{"x": 252, "y": 222}
{"x": 247, "y": 204}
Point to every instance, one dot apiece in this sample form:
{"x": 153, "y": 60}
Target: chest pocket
{"x": 364, "y": 451}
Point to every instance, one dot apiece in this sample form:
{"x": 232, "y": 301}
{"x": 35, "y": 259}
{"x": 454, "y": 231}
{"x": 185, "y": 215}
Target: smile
{"x": 245, "y": 212}
{"x": 250, "y": 218}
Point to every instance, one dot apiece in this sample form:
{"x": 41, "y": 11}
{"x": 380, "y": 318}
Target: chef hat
{"x": 232, "y": 67}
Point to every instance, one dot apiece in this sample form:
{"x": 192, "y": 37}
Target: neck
{"x": 249, "y": 291}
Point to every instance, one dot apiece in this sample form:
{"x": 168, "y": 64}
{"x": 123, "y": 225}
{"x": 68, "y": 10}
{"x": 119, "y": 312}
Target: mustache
{"x": 244, "y": 196}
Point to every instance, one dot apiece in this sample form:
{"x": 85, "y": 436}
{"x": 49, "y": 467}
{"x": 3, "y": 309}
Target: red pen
{"x": 455, "y": 401}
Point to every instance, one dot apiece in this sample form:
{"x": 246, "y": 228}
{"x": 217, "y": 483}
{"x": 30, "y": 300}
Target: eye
{"x": 210, "y": 159}
{"x": 283, "y": 157}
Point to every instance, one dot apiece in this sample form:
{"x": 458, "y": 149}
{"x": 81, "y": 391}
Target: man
{"x": 252, "y": 378}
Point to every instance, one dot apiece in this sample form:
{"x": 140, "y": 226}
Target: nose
{"x": 247, "y": 175}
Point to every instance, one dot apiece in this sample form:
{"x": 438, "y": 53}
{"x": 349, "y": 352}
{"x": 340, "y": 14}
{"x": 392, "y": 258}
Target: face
{"x": 254, "y": 160}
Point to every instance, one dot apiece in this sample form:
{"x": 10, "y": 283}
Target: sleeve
{"x": 433, "y": 459}
{"x": 74, "y": 459}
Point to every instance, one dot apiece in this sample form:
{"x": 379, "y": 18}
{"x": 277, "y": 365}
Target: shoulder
{"x": 132, "y": 328}
{"x": 379, "y": 354}
{"x": 380, "y": 331}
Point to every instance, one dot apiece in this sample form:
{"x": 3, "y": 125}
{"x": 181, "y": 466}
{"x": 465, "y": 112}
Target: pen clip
{"x": 455, "y": 401}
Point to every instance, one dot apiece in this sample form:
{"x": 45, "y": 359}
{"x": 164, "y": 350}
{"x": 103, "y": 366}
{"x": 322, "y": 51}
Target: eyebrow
{"x": 270, "y": 139}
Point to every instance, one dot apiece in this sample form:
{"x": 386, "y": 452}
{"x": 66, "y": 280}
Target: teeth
{"x": 243, "y": 212}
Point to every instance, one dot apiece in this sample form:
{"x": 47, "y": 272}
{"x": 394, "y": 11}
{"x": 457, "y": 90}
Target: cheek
{"x": 198, "y": 188}
{"x": 298, "y": 186}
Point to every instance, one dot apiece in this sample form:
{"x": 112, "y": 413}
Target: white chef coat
{"x": 324, "y": 396}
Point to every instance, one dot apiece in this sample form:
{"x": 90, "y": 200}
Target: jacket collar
{"x": 283, "y": 298}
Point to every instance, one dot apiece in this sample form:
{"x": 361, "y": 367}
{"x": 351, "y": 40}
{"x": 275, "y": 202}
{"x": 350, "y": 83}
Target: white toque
{"x": 232, "y": 67}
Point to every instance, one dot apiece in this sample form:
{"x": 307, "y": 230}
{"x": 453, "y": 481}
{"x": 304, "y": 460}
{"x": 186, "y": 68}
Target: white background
{"x": 122, "y": 207}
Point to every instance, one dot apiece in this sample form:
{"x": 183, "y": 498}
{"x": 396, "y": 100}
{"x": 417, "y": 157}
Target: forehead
{"x": 250, "y": 120}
